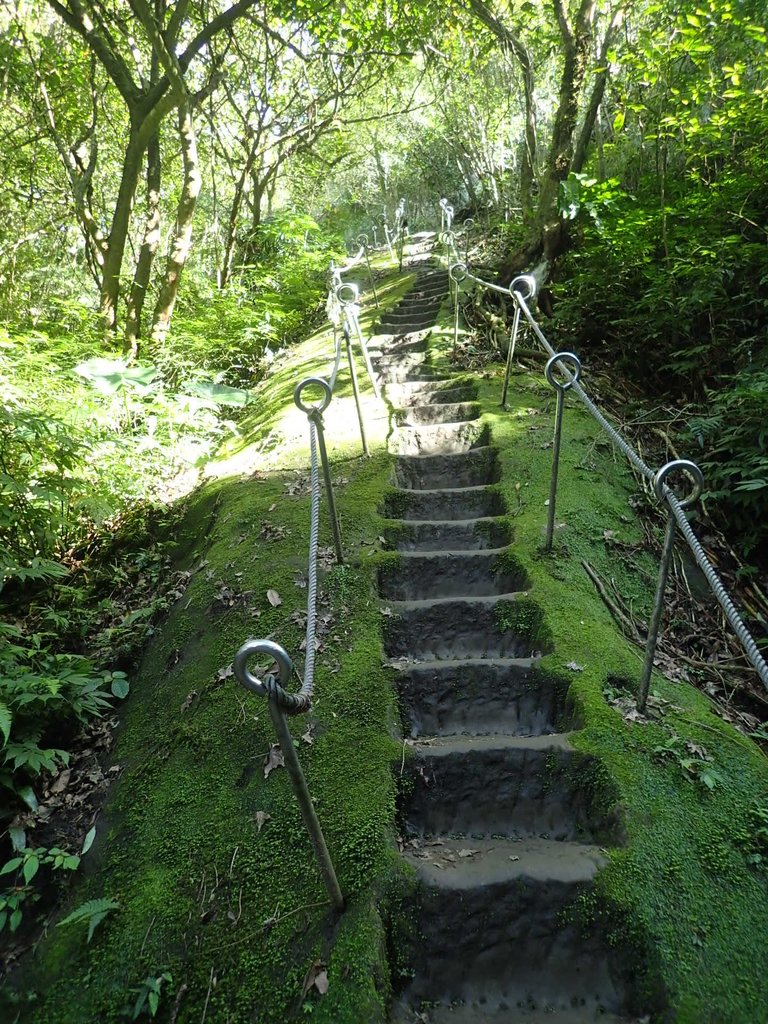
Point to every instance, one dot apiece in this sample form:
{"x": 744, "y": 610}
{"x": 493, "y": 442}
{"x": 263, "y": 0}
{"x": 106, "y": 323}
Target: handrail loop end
{"x": 525, "y": 285}
{"x": 457, "y": 272}
{"x": 684, "y": 466}
{"x": 563, "y": 357}
{"x": 319, "y": 382}
{"x": 250, "y": 649}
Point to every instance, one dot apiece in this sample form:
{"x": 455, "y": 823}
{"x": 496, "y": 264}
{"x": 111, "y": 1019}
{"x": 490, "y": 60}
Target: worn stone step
{"x": 475, "y": 468}
{"x": 485, "y": 697}
{"x": 408, "y": 394}
{"x": 443, "y": 574}
{"x": 456, "y": 862}
{"x": 403, "y": 362}
{"x": 437, "y": 534}
{"x": 398, "y": 316}
{"x": 418, "y": 415}
{"x": 418, "y": 305}
{"x": 444, "y": 503}
{"x": 500, "y": 1012}
{"x": 454, "y": 628}
{"x": 513, "y": 947}
{"x": 513, "y": 786}
{"x": 439, "y": 438}
{"x": 427, "y": 374}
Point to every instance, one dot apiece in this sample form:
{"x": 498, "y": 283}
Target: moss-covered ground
{"x": 207, "y": 856}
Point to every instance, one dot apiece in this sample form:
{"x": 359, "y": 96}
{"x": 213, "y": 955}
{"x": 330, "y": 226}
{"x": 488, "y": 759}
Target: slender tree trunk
{"x": 230, "y": 240}
{"x": 528, "y": 155}
{"x": 148, "y": 250}
{"x": 118, "y": 235}
{"x": 596, "y": 97}
{"x": 182, "y": 241}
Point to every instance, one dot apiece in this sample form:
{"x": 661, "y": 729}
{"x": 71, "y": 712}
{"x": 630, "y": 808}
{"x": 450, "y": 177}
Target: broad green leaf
{"x": 6, "y": 720}
{"x": 88, "y": 841}
{"x": 120, "y": 687}
{"x": 221, "y": 394}
{"x": 11, "y": 865}
{"x": 31, "y": 867}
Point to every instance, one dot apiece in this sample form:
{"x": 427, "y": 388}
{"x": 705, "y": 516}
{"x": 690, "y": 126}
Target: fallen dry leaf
{"x": 274, "y": 759}
{"x": 316, "y": 977}
{"x": 274, "y": 598}
{"x": 187, "y": 704}
{"x": 307, "y": 737}
{"x": 574, "y": 666}
{"x": 261, "y": 818}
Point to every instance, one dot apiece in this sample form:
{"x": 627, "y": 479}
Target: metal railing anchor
{"x": 315, "y": 414}
{"x": 560, "y": 386}
{"x": 279, "y": 700}
{"x": 660, "y": 490}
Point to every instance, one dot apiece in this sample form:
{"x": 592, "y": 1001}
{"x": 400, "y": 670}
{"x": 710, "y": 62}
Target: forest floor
{"x": 219, "y": 907}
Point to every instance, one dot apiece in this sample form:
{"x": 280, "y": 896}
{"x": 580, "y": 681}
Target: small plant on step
{"x": 694, "y": 759}
{"x": 148, "y": 995}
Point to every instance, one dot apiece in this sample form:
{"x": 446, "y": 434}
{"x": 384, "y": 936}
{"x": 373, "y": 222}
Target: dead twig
{"x": 626, "y": 624}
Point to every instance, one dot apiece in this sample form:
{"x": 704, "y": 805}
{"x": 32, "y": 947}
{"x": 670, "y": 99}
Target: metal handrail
{"x": 523, "y": 288}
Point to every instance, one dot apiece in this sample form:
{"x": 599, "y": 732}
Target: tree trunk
{"x": 596, "y": 98}
{"x": 182, "y": 241}
{"x": 118, "y": 235}
{"x": 234, "y": 216}
{"x": 148, "y": 250}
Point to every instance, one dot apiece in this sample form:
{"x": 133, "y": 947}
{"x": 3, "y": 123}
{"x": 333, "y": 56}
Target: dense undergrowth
{"x": 683, "y": 320}
{"x": 93, "y": 446}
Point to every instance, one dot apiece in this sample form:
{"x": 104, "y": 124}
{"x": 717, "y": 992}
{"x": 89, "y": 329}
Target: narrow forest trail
{"x": 494, "y": 821}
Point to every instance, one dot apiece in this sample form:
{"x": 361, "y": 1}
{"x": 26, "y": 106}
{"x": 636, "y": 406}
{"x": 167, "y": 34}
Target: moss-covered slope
{"x": 207, "y": 857}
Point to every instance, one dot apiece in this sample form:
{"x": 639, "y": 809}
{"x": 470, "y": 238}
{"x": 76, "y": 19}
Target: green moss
{"x": 525, "y": 618}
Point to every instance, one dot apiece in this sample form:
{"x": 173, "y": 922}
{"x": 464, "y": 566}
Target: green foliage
{"x": 93, "y": 912}
{"x": 148, "y": 994}
{"x": 25, "y": 867}
{"x": 39, "y": 688}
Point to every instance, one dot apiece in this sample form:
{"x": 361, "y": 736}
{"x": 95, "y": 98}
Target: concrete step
{"x": 460, "y": 628}
{"x": 518, "y": 787}
{"x": 456, "y": 534}
{"x": 439, "y": 438}
{"x": 475, "y": 468}
{"x": 444, "y": 503}
{"x": 442, "y": 574}
{"x": 491, "y": 697}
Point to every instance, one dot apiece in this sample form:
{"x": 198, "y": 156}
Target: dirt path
{"x": 495, "y": 824}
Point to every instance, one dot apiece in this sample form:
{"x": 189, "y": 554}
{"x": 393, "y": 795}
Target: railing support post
{"x": 457, "y": 272}
{"x": 273, "y": 693}
{"x": 560, "y": 386}
{"x": 314, "y": 414}
{"x": 659, "y": 487}
{"x": 355, "y": 387}
{"x": 363, "y": 240}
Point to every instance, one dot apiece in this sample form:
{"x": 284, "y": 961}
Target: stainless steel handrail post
{"x": 272, "y": 691}
{"x": 659, "y": 487}
{"x": 560, "y": 386}
{"x": 314, "y": 414}
{"x": 457, "y": 272}
{"x": 516, "y": 288}
{"x": 355, "y": 387}
{"x": 362, "y": 240}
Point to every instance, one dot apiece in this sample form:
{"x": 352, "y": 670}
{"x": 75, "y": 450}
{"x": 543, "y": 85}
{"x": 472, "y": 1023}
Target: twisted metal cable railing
{"x": 343, "y": 312}
{"x": 521, "y": 290}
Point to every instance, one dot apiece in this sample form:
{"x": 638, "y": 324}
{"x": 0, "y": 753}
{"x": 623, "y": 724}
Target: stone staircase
{"x": 496, "y": 819}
